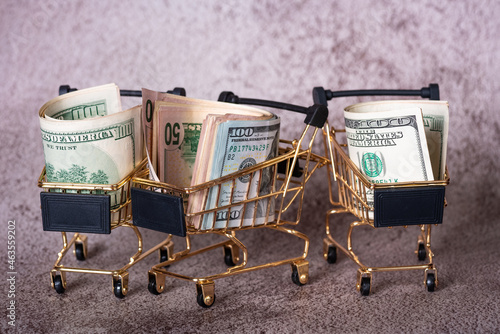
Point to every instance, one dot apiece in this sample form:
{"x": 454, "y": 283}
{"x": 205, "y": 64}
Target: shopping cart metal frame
{"x": 86, "y": 208}
{"x": 396, "y": 204}
{"x": 290, "y": 190}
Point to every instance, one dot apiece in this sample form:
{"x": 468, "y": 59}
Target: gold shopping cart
{"x": 162, "y": 207}
{"x": 395, "y": 204}
{"x": 92, "y": 208}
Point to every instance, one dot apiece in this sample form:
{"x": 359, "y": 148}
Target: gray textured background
{"x": 276, "y": 50}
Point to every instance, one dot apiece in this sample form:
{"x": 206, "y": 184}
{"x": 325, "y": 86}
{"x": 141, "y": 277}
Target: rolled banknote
{"x": 388, "y": 146}
{"x": 88, "y": 139}
{"x": 436, "y": 123}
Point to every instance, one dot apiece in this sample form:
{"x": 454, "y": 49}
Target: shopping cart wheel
{"x": 165, "y": 252}
{"x": 231, "y": 255}
{"x": 430, "y": 282}
{"x": 80, "y": 252}
{"x": 156, "y": 283}
{"x": 119, "y": 290}
{"x": 205, "y": 294}
{"x": 228, "y": 258}
{"x": 331, "y": 256}
{"x": 58, "y": 284}
{"x": 421, "y": 252}
{"x": 296, "y": 278}
{"x": 81, "y": 247}
{"x": 120, "y": 285}
{"x": 300, "y": 273}
{"x": 329, "y": 251}
{"x": 163, "y": 255}
{"x": 152, "y": 287}
{"x": 202, "y": 300}
{"x": 364, "y": 287}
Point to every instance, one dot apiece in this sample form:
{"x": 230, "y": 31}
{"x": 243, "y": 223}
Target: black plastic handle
{"x": 63, "y": 89}
{"x": 322, "y": 96}
{"x": 317, "y": 114}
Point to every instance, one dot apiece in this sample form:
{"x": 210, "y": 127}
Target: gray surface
{"x": 277, "y": 50}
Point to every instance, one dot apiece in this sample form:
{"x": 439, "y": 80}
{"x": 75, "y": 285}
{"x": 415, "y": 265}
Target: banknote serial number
{"x": 248, "y": 148}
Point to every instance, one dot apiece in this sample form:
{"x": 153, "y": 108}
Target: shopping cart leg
{"x": 329, "y": 251}
{"x": 58, "y": 281}
{"x": 205, "y": 291}
{"x": 428, "y": 243}
{"x": 166, "y": 252}
{"x": 329, "y": 243}
{"x": 431, "y": 280}
{"x": 120, "y": 284}
{"x": 231, "y": 255}
{"x": 300, "y": 272}
{"x": 363, "y": 282}
{"x": 421, "y": 245}
{"x": 156, "y": 282}
{"x": 80, "y": 249}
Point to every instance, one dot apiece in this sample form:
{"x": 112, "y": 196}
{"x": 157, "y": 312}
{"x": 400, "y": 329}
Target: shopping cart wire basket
{"x": 162, "y": 207}
{"x": 395, "y": 204}
{"x": 95, "y": 209}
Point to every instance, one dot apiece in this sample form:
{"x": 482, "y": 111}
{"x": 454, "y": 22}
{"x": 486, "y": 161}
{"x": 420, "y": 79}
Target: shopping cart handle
{"x": 316, "y": 114}
{"x": 232, "y": 98}
{"x": 322, "y": 96}
{"x": 63, "y": 89}
{"x": 178, "y": 91}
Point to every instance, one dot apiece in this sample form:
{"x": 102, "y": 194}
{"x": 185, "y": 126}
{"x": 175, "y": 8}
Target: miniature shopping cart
{"x": 395, "y": 204}
{"x": 92, "y": 208}
{"x": 162, "y": 207}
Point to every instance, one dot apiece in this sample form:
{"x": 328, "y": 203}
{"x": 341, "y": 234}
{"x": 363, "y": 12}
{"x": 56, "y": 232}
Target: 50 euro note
{"x": 239, "y": 144}
{"x": 87, "y": 138}
{"x": 388, "y": 146}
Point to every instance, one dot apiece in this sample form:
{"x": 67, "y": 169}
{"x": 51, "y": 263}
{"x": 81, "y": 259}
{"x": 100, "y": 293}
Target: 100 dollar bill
{"x": 88, "y": 139}
{"x": 175, "y": 118}
{"x": 388, "y": 146}
{"x": 240, "y": 144}
{"x": 177, "y": 132}
{"x": 436, "y": 123}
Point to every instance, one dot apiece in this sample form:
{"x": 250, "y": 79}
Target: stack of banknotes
{"x": 398, "y": 141}
{"x": 191, "y": 141}
{"x": 87, "y": 137}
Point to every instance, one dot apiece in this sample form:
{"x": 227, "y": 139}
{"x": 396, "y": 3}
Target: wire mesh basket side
{"x": 352, "y": 186}
{"x": 265, "y": 205}
{"x": 355, "y": 192}
{"x": 119, "y": 193}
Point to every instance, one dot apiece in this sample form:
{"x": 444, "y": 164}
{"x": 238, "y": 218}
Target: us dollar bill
{"x": 87, "y": 138}
{"x": 149, "y": 99}
{"x": 157, "y": 109}
{"x": 388, "y": 146}
{"x": 240, "y": 144}
{"x": 177, "y": 133}
{"x": 436, "y": 124}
